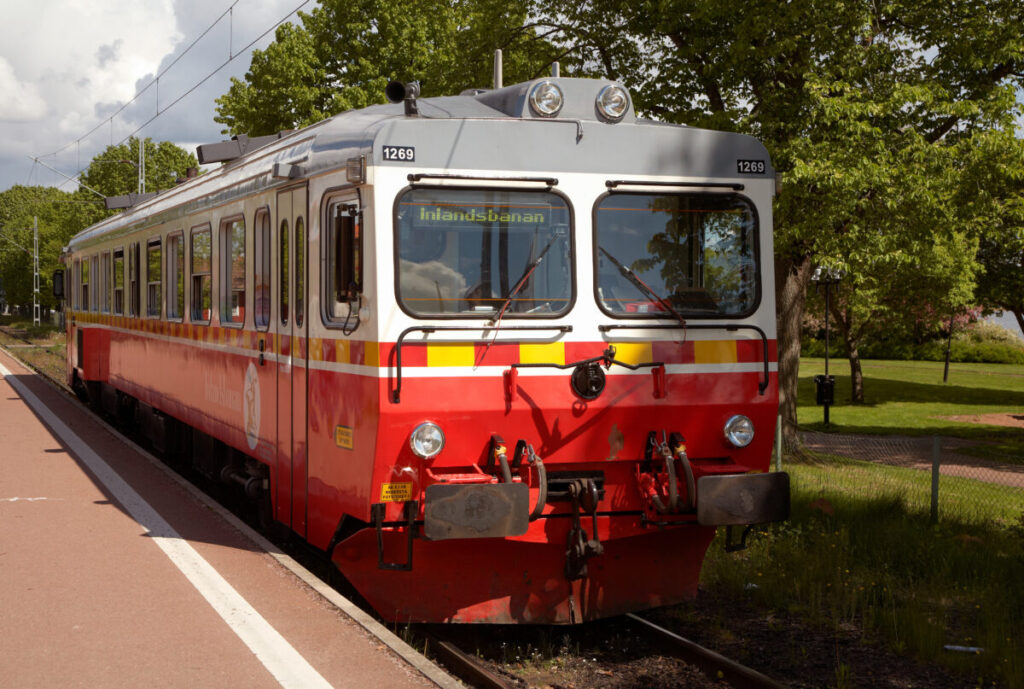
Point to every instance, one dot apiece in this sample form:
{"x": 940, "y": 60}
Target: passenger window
{"x": 82, "y": 272}
{"x": 133, "y": 279}
{"x": 300, "y": 271}
{"x": 175, "y": 276}
{"x": 283, "y": 271}
{"x": 119, "y": 282}
{"x": 261, "y": 269}
{"x": 105, "y": 282}
{"x": 202, "y": 293}
{"x": 153, "y": 278}
{"x": 232, "y": 271}
{"x": 95, "y": 272}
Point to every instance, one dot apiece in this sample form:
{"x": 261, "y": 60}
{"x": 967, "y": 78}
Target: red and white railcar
{"x": 507, "y": 356}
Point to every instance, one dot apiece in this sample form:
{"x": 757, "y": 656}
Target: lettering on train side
{"x": 217, "y": 390}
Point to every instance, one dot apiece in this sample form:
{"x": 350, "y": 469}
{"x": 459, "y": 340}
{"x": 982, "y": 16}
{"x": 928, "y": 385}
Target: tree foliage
{"x": 874, "y": 113}
{"x": 115, "y": 171}
{"x": 62, "y": 214}
{"x": 996, "y": 195}
{"x": 345, "y": 53}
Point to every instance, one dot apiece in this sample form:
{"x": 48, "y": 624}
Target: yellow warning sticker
{"x": 396, "y": 492}
{"x": 343, "y": 437}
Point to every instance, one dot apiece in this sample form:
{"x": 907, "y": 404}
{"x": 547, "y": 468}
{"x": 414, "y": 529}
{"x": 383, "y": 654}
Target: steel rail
{"x": 711, "y": 663}
{"x": 464, "y": 666}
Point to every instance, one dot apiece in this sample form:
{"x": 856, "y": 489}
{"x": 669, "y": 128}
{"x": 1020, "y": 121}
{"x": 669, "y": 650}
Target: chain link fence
{"x": 949, "y": 478}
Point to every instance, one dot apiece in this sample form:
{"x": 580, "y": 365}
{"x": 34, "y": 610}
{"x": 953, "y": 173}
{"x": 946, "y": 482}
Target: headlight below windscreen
{"x": 739, "y": 431}
{"x": 427, "y": 440}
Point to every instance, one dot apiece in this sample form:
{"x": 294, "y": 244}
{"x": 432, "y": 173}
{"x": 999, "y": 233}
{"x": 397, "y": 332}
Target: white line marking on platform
{"x": 279, "y": 657}
{"x": 23, "y": 499}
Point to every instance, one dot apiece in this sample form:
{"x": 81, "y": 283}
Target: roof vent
{"x": 239, "y": 145}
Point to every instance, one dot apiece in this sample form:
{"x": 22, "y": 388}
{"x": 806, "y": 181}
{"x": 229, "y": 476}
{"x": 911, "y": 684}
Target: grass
{"x": 39, "y": 346}
{"x": 860, "y": 548}
{"x": 861, "y": 551}
{"x": 909, "y": 398}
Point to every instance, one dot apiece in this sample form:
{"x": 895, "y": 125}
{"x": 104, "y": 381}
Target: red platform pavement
{"x": 114, "y": 573}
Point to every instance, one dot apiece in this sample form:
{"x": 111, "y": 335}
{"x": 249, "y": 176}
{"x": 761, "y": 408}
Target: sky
{"x": 66, "y": 66}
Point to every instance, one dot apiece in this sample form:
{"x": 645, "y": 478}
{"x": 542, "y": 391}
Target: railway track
{"x": 711, "y": 663}
{"x": 480, "y": 674}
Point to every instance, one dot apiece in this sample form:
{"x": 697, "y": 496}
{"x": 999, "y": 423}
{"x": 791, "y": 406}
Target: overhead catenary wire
{"x": 232, "y": 55}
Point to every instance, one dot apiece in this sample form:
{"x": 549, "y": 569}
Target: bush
{"x": 980, "y": 342}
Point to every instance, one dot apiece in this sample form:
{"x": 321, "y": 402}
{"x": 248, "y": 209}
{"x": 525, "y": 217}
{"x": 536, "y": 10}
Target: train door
{"x": 291, "y": 269}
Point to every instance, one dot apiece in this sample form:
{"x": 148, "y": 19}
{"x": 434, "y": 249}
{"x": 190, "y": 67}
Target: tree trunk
{"x": 791, "y": 276}
{"x": 844, "y": 321}
{"x": 856, "y": 374}
{"x": 1019, "y": 315}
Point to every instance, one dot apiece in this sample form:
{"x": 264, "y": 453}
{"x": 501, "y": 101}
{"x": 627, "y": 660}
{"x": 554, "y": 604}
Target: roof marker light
{"x": 613, "y": 102}
{"x": 546, "y": 99}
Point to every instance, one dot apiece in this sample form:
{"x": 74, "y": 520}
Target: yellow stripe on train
{"x": 715, "y": 352}
{"x": 451, "y": 354}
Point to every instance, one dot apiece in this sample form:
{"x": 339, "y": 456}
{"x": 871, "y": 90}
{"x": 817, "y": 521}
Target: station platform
{"x": 116, "y": 573}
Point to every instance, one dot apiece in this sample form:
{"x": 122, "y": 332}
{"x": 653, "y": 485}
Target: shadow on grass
{"x": 884, "y": 391}
{"x": 890, "y": 408}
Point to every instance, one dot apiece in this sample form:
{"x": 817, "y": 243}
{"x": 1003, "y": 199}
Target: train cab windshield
{"x": 483, "y": 253}
{"x": 695, "y": 252}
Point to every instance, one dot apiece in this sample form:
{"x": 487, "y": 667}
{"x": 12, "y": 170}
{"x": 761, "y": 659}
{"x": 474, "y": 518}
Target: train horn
{"x": 397, "y": 92}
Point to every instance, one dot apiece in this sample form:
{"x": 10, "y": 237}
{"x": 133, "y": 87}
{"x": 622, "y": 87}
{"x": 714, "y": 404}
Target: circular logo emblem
{"x": 251, "y": 406}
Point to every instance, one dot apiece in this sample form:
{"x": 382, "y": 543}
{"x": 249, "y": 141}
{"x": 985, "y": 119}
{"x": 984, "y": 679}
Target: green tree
{"x": 346, "y": 52}
{"x": 115, "y": 171}
{"x": 862, "y": 105}
{"x": 60, "y": 216}
{"x": 995, "y": 197}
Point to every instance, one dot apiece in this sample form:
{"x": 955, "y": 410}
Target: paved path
{"x": 114, "y": 573}
{"x": 916, "y": 453}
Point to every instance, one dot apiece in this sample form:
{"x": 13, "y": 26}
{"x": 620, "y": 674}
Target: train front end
{"x": 578, "y": 360}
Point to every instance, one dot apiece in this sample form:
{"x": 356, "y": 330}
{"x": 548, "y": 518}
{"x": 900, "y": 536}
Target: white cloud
{"x": 67, "y": 65}
{"x": 21, "y": 102}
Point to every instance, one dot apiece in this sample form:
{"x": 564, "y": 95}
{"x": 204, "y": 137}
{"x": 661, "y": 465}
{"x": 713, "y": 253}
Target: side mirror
{"x": 58, "y": 284}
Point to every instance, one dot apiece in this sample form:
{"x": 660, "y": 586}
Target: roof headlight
{"x": 613, "y": 102}
{"x": 546, "y": 99}
{"x": 427, "y": 440}
{"x": 739, "y": 430}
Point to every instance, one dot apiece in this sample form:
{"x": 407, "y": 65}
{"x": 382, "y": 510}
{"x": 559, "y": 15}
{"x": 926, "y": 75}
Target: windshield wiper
{"x": 642, "y": 286}
{"x": 527, "y": 272}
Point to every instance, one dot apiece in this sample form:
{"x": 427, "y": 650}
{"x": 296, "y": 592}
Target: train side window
{"x": 344, "y": 279}
{"x": 105, "y": 282}
{"x": 261, "y": 270}
{"x": 119, "y": 282}
{"x": 232, "y": 271}
{"x": 300, "y": 270}
{"x": 153, "y": 277}
{"x": 94, "y": 271}
{"x": 82, "y": 278}
{"x": 282, "y": 261}
{"x": 202, "y": 293}
{"x": 175, "y": 276}
{"x": 133, "y": 279}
